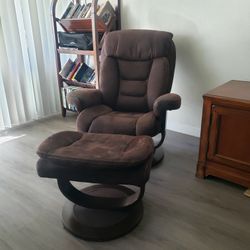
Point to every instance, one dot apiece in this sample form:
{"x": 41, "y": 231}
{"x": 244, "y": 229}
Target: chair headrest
{"x": 137, "y": 44}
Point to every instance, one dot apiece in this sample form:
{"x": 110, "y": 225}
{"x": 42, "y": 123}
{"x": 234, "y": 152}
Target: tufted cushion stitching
{"x": 126, "y": 68}
{"x": 133, "y": 88}
{"x": 127, "y": 90}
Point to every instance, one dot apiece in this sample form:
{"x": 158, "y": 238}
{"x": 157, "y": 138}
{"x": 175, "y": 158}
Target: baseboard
{"x": 184, "y": 129}
{"x": 28, "y": 123}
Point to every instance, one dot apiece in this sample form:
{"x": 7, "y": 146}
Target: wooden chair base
{"x": 102, "y": 224}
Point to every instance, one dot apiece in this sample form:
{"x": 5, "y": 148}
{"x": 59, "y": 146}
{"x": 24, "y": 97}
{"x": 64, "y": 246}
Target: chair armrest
{"x": 84, "y": 98}
{"x": 166, "y": 102}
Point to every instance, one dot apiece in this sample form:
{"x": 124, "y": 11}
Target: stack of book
{"x": 77, "y": 71}
{"x": 77, "y": 11}
{"x": 105, "y": 11}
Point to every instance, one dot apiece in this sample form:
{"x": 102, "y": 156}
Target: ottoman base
{"x": 102, "y": 224}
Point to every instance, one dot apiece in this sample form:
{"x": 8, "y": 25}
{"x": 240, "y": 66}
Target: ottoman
{"x": 117, "y": 166}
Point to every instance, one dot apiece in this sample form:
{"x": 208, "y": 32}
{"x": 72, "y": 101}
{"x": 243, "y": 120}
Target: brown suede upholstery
{"x": 136, "y": 74}
{"x": 166, "y": 102}
{"x": 84, "y": 98}
{"x": 100, "y": 158}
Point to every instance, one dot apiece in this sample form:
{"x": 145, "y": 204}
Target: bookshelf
{"x": 93, "y": 24}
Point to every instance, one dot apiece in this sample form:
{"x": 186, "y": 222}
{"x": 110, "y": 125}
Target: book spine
{"x": 63, "y": 97}
{"x": 76, "y": 72}
{"x": 77, "y": 11}
{"x": 68, "y": 90}
{"x": 67, "y": 68}
{"x": 80, "y": 11}
{"x": 71, "y": 74}
{"x": 88, "y": 6}
{"x": 70, "y": 6}
{"x": 72, "y": 11}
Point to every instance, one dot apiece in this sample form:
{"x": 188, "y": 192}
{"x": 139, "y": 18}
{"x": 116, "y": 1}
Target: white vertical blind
{"x": 28, "y": 88}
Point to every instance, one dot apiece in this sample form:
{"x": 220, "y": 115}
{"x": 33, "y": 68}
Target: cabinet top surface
{"x": 238, "y": 90}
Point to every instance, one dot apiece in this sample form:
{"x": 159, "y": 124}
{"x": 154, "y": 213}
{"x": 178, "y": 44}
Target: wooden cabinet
{"x": 225, "y": 133}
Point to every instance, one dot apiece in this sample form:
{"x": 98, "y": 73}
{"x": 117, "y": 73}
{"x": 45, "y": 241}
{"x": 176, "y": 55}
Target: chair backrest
{"x": 137, "y": 66}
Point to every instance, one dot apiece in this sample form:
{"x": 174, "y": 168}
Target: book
{"x": 80, "y": 11}
{"x": 85, "y": 10}
{"x": 79, "y": 69}
{"x": 66, "y": 12}
{"x": 64, "y": 103}
{"x": 98, "y": 7}
{"x": 106, "y": 12}
{"x": 88, "y": 14}
{"x": 81, "y": 73}
{"x": 86, "y": 75}
{"x": 74, "y": 69}
{"x": 67, "y": 68}
{"x": 92, "y": 78}
{"x": 72, "y": 11}
{"x": 75, "y": 15}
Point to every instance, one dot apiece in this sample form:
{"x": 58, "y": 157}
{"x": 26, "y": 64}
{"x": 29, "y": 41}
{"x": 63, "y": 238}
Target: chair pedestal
{"x": 102, "y": 224}
{"x": 158, "y": 156}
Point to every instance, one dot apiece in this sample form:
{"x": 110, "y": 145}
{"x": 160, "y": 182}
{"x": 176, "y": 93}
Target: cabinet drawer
{"x": 229, "y": 137}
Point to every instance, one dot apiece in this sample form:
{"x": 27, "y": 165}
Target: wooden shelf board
{"x": 81, "y": 25}
{"x": 75, "y": 51}
{"x": 79, "y": 84}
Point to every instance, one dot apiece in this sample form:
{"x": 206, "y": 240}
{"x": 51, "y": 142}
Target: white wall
{"x": 213, "y": 46}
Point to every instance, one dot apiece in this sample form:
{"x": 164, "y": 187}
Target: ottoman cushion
{"x": 104, "y": 158}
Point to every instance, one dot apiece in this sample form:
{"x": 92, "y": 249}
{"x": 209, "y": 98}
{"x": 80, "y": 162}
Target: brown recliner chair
{"x": 136, "y": 74}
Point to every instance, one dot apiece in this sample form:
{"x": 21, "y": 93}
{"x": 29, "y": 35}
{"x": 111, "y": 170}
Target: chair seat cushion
{"x": 93, "y": 157}
{"x": 102, "y": 119}
{"x": 115, "y": 123}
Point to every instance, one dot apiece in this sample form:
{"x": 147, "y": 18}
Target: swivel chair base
{"x": 100, "y": 224}
{"x": 158, "y": 156}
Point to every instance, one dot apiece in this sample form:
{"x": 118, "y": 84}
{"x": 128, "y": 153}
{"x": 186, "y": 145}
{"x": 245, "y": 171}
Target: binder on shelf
{"x": 82, "y": 41}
